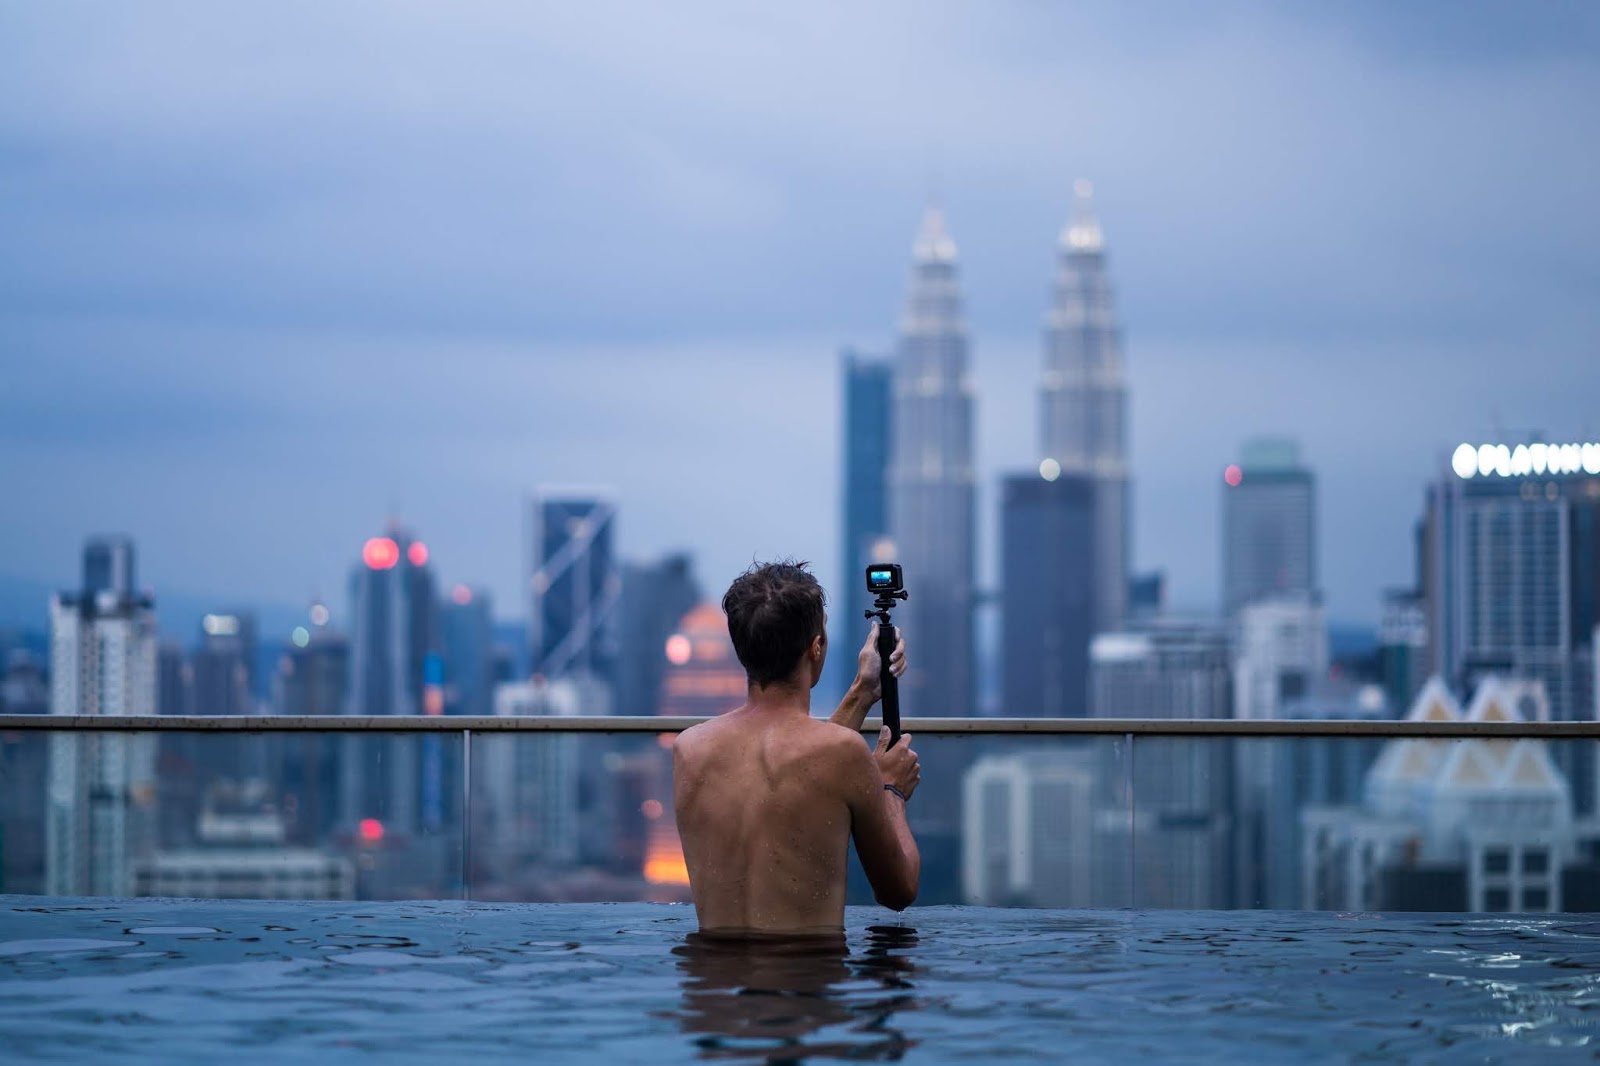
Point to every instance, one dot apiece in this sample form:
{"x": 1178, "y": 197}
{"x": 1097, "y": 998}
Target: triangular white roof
{"x": 1435, "y": 703}
{"x": 1529, "y": 767}
{"x": 1468, "y": 767}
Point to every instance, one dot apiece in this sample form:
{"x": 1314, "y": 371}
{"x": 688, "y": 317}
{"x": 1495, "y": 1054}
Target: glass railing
{"x": 1345, "y": 816}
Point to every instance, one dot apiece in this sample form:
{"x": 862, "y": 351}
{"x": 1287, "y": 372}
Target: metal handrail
{"x": 1192, "y": 727}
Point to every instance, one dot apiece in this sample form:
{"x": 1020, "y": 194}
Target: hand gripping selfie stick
{"x": 887, "y": 583}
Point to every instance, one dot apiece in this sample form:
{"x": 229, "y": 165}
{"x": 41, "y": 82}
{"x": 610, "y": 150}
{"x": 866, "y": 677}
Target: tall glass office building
{"x": 1269, "y": 543}
{"x": 932, "y": 489}
{"x": 1083, "y": 399}
{"x": 1511, "y": 568}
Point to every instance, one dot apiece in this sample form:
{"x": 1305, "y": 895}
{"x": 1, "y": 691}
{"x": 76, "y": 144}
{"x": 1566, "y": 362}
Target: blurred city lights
{"x": 461, "y": 594}
{"x": 1536, "y": 459}
{"x": 1233, "y": 475}
{"x": 417, "y": 553}
{"x": 380, "y": 553}
{"x": 679, "y": 649}
{"x": 371, "y": 830}
{"x": 651, "y": 809}
{"x": 301, "y": 636}
{"x": 1049, "y": 469}
{"x": 319, "y": 614}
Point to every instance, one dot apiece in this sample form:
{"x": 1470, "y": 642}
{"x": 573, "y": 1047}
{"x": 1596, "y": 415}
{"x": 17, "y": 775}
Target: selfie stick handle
{"x": 888, "y": 637}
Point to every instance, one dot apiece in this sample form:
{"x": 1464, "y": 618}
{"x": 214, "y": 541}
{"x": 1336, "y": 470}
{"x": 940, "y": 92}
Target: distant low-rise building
{"x": 1456, "y": 825}
{"x": 1029, "y": 831}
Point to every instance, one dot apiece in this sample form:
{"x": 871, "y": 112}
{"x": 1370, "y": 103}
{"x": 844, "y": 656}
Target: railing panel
{"x": 231, "y": 814}
{"x": 1366, "y": 824}
{"x": 1367, "y": 818}
{"x": 574, "y": 817}
{"x": 1023, "y": 821}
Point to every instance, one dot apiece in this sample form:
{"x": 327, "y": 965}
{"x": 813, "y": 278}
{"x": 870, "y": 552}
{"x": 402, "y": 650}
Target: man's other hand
{"x": 869, "y": 676}
{"x": 898, "y": 765}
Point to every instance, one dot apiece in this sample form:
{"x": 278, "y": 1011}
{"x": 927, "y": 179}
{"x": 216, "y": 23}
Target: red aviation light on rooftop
{"x": 1233, "y": 475}
{"x": 417, "y": 553}
{"x": 461, "y": 594}
{"x": 371, "y": 830}
{"x": 679, "y": 649}
{"x": 380, "y": 553}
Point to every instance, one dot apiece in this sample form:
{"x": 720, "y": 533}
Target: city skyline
{"x": 247, "y": 347}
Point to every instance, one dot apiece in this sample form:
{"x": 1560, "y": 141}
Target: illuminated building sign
{"x": 1500, "y": 460}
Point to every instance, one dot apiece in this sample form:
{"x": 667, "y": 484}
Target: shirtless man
{"x": 768, "y": 797}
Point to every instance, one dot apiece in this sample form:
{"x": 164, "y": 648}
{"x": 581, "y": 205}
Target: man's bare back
{"x": 767, "y": 799}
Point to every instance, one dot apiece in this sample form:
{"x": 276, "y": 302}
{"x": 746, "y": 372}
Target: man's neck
{"x": 779, "y": 698}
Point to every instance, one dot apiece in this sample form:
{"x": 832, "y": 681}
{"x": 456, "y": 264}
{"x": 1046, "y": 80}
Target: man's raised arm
{"x": 867, "y": 687}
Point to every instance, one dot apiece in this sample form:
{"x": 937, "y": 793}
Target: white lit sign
{"x": 1500, "y": 460}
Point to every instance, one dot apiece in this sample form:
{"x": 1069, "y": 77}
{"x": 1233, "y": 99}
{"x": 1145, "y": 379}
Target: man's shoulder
{"x": 834, "y": 739}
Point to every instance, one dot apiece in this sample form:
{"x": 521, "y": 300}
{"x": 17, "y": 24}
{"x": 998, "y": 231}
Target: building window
{"x": 1497, "y": 899}
{"x": 1535, "y": 860}
{"x": 1536, "y": 899}
{"x": 1496, "y": 861}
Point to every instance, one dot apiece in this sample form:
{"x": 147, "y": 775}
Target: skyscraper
{"x": 931, "y": 484}
{"x": 1181, "y": 785}
{"x": 868, "y": 435}
{"x": 102, "y": 787}
{"x": 1048, "y": 585}
{"x": 654, "y": 597}
{"x": 224, "y": 664}
{"x": 1511, "y": 579}
{"x": 1083, "y": 399}
{"x": 1269, "y": 541}
{"x": 313, "y": 679}
{"x": 393, "y": 633}
{"x": 466, "y": 623}
{"x": 575, "y": 586}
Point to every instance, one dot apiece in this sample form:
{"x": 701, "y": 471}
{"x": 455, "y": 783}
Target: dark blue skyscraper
{"x": 1047, "y": 568}
{"x": 868, "y": 408}
{"x": 655, "y": 596}
{"x": 466, "y": 626}
{"x": 575, "y": 586}
{"x": 393, "y": 635}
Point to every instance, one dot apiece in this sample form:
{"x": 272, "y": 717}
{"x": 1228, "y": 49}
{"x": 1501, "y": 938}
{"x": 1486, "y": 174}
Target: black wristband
{"x": 897, "y": 792}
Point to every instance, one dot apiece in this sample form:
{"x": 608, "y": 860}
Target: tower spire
{"x": 934, "y": 243}
{"x": 1083, "y": 232}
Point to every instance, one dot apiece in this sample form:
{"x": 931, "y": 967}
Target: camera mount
{"x": 887, "y": 583}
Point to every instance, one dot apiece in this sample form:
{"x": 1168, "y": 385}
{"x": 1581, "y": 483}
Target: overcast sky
{"x": 272, "y": 273}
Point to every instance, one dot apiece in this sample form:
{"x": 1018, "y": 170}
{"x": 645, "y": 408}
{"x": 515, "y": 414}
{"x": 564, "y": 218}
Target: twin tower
{"x": 930, "y": 479}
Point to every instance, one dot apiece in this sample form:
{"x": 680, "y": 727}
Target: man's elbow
{"x": 899, "y": 897}
{"x": 902, "y": 891}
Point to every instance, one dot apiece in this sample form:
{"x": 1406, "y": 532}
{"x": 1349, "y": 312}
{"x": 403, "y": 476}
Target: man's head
{"x": 776, "y": 618}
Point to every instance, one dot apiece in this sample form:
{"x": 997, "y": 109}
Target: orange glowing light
{"x": 371, "y": 830}
{"x": 651, "y": 809}
{"x": 461, "y": 594}
{"x": 1233, "y": 475}
{"x": 433, "y": 700}
{"x": 679, "y": 649}
{"x": 380, "y": 553}
{"x": 664, "y": 740}
{"x": 417, "y": 553}
{"x": 663, "y": 859}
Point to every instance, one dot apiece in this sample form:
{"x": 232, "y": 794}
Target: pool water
{"x": 471, "y": 983}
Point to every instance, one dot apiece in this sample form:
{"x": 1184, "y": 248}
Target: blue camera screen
{"x": 882, "y": 577}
